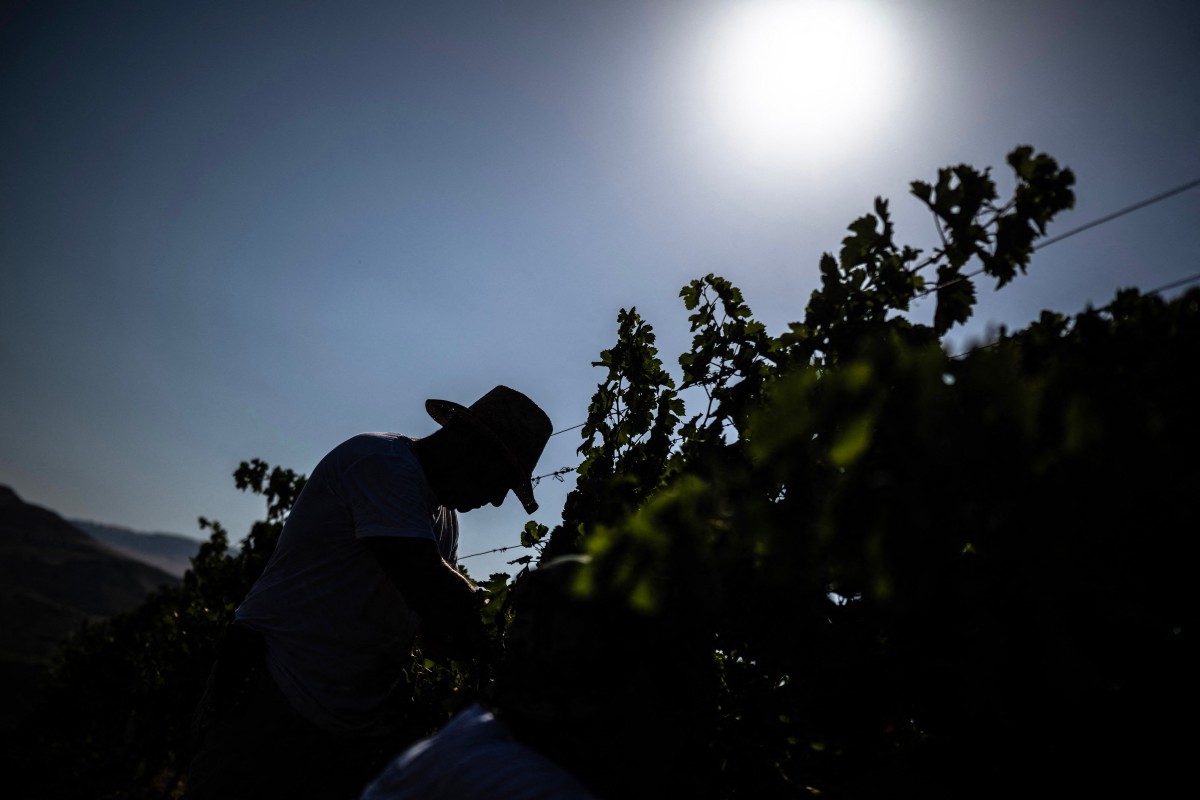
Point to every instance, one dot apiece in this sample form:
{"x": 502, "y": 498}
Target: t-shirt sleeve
{"x": 388, "y": 496}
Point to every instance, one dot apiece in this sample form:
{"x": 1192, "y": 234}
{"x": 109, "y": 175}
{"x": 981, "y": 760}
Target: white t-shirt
{"x": 337, "y": 630}
{"x": 474, "y": 757}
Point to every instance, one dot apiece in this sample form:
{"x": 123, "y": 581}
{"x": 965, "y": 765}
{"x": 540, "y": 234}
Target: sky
{"x": 235, "y": 230}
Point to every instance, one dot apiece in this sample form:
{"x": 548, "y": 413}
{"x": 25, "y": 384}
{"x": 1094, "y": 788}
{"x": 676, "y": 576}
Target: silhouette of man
{"x": 298, "y": 701}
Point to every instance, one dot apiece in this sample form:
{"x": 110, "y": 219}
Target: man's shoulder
{"x": 376, "y": 438}
{"x": 363, "y": 449}
{"x": 376, "y": 457}
{"x": 374, "y": 443}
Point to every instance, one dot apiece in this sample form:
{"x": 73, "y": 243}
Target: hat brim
{"x": 445, "y": 411}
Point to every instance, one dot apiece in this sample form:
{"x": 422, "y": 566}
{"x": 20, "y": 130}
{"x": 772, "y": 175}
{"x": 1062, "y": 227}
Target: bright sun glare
{"x": 801, "y": 80}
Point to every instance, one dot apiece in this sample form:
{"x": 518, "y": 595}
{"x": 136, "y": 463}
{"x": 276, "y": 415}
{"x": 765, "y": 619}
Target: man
{"x": 298, "y": 701}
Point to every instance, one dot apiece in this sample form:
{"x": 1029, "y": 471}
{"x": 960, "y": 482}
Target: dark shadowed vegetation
{"x": 895, "y": 572}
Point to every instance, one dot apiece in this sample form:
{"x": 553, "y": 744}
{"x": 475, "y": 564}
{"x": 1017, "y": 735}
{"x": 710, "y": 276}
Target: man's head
{"x": 485, "y": 449}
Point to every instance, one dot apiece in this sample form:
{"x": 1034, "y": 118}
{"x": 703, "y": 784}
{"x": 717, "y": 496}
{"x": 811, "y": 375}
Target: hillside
{"x": 53, "y": 577}
{"x": 170, "y": 552}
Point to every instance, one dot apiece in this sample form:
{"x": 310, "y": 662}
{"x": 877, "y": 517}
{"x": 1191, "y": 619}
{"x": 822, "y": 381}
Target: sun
{"x": 800, "y": 79}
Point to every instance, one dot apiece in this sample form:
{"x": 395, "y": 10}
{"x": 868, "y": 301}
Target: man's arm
{"x": 446, "y": 600}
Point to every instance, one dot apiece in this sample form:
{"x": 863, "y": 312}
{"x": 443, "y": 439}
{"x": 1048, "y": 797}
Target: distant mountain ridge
{"x": 170, "y": 552}
{"x": 54, "y": 577}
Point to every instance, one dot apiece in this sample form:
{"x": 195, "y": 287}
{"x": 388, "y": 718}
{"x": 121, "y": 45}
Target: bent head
{"x": 484, "y": 450}
{"x": 473, "y": 471}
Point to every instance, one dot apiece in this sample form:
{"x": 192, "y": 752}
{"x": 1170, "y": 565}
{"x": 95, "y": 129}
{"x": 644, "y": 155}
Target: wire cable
{"x": 1149, "y": 201}
{"x": 1127, "y": 210}
{"x": 573, "y": 427}
{"x": 1159, "y": 290}
{"x": 1173, "y": 284}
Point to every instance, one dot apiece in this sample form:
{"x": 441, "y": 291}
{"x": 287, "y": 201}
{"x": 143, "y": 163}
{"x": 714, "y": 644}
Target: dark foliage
{"x": 889, "y": 572}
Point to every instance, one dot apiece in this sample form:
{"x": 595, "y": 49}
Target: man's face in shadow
{"x": 481, "y": 473}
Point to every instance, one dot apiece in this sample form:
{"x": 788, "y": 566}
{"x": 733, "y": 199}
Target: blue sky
{"x": 235, "y": 230}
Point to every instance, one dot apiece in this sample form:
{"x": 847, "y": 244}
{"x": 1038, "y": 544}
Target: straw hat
{"x": 510, "y": 420}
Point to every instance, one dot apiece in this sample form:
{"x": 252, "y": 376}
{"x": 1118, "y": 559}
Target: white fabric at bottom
{"x": 474, "y": 757}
